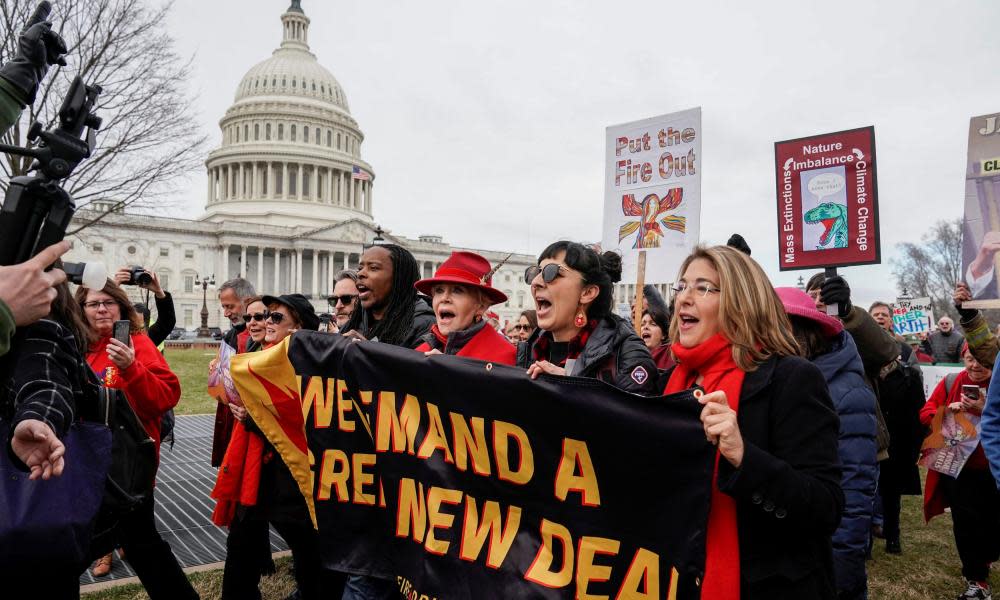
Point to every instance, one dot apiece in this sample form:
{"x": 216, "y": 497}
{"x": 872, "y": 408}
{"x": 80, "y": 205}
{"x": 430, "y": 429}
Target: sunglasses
{"x": 346, "y": 299}
{"x": 549, "y": 273}
{"x": 255, "y": 317}
{"x": 522, "y": 327}
{"x": 275, "y": 317}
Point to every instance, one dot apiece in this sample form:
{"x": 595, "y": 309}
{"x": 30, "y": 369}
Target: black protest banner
{"x": 463, "y": 479}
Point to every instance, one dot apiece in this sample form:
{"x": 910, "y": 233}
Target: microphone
{"x": 92, "y": 275}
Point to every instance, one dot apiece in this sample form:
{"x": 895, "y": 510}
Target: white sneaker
{"x": 976, "y": 592}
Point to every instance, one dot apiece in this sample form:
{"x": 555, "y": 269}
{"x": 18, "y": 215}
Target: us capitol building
{"x": 288, "y": 203}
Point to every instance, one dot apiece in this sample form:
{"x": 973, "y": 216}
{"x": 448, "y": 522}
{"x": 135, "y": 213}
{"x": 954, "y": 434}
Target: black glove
{"x": 836, "y": 291}
{"x": 37, "y": 48}
{"x": 736, "y": 241}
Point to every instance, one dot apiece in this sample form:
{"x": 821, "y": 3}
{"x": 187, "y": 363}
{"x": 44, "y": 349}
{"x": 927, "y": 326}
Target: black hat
{"x": 298, "y": 303}
{"x": 656, "y": 307}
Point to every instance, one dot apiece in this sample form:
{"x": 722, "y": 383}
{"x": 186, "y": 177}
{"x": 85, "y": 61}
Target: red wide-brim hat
{"x": 464, "y": 268}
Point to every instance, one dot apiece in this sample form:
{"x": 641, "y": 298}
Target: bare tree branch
{"x": 932, "y": 267}
{"x": 149, "y": 141}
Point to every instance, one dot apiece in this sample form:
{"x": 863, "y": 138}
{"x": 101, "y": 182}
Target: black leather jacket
{"x": 614, "y": 354}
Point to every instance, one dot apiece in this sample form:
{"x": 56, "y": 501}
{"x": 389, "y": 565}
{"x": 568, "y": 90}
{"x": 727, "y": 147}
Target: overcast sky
{"x": 484, "y": 121}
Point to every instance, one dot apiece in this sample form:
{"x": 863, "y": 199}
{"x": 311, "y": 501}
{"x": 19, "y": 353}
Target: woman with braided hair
{"x": 390, "y": 311}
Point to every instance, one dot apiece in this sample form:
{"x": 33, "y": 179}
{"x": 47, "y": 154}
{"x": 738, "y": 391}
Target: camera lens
{"x": 143, "y": 278}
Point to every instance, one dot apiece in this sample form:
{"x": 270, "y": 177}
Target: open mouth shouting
{"x": 363, "y": 292}
{"x": 445, "y": 317}
{"x": 687, "y": 322}
{"x": 543, "y": 306}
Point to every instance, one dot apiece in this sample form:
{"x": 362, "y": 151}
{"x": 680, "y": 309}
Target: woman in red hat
{"x": 462, "y": 291}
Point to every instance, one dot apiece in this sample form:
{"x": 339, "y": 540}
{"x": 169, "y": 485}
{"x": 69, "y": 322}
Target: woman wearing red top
{"x": 151, "y": 389}
{"x": 462, "y": 292}
{"x": 972, "y": 496}
{"x": 776, "y": 496}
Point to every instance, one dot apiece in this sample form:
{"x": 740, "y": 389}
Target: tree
{"x": 150, "y": 139}
{"x": 932, "y": 267}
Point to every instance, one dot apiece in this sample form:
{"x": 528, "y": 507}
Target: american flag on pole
{"x": 357, "y": 173}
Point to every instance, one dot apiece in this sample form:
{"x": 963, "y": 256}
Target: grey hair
{"x": 241, "y": 287}
{"x": 346, "y": 274}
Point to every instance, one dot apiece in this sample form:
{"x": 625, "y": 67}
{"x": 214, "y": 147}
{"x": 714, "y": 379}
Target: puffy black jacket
{"x": 614, "y": 354}
{"x": 423, "y": 320}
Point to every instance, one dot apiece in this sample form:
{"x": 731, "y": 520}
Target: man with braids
{"x": 391, "y": 312}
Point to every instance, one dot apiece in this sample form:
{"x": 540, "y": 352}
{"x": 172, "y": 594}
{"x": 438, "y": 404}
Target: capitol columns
{"x": 351, "y": 201}
{"x": 315, "y": 273}
{"x": 260, "y": 268}
{"x": 329, "y": 272}
{"x": 254, "y": 183}
{"x": 314, "y": 185}
{"x": 368, "y": 207}
{"x": 329, "y": 187}
{"x": 298, "y": 186}
{"x": 298, "y": 269}
{"x": 277, "y": 272}
{"x": 243, "y": 261}
{"x": 284, "y": 181}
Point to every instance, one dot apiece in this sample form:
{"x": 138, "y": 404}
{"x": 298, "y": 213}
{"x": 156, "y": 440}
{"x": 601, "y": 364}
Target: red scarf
{"x": 239, "y": 475}
{"x": 713, "y": 361}
{"x": 573, "y": 349}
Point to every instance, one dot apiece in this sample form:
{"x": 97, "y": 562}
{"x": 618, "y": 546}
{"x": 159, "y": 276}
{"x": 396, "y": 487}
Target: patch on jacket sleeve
{"x": 639, "y": 375}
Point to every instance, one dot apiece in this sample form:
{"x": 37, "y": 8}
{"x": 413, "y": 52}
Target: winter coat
{"x": 787, "y": 489}
{"x": 614, "y": 354}
{"x": 935, "y": 499}
{"x": 480, "y": 341}
{"x": 877, "y": 348}
{"x": 983, "y": 343}
{"x": 423, "y": 320}
{"x": 901, "y": 394}
{"x": 946, "y": 347}
{"x": 237, "y": 338}
{"x": 854, "y": 402}
{"x": 989, "y": 434}
{"x": 150, "y": 387}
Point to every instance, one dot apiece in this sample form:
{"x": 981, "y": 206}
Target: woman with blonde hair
{"x": 776, "y": 496}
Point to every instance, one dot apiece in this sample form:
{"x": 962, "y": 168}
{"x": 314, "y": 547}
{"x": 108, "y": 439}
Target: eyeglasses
{"x": 549, "y": 273}
{"x": 522, "y": 328}
{"x": 94, "y": 304}
{"x": 275, "y": 317}
{"x": 346, "y": 299}
{"x": 702, "y": 289}
{"x": 255, "y": 317}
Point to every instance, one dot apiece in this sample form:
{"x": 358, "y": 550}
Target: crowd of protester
{"x": 818, "y": 418}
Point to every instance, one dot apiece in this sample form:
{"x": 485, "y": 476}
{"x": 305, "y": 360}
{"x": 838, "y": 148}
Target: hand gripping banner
{"x": 462, "y": 479}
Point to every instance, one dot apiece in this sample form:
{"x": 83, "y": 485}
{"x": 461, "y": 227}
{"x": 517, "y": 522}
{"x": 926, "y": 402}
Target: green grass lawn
{"x": 191, "y": 366}
{"x": 928, "y": 569}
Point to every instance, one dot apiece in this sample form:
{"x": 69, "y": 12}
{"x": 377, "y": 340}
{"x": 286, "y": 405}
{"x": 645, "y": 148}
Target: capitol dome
{"x": 291, "y": 151}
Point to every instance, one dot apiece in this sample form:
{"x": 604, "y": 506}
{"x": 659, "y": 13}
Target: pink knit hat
{"x": 799, "y": 304}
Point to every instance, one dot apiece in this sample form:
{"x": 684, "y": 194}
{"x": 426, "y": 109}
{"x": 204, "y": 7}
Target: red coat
{"x": 934, "y": 498}
{"x": 149, "y": 385}
{"x": 486, "y": 345}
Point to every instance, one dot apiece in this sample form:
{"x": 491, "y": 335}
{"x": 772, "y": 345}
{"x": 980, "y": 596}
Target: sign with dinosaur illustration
{"x": 827, "y": 200}
{"x": 652, "y": 192}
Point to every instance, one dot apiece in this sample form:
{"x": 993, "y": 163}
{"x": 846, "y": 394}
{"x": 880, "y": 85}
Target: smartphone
{"x": 122, "y": 331}
{"x": 971, "y": 391}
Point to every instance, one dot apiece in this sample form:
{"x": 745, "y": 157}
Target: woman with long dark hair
{"x": 151, "y": 388}
{"x": 573, "y": 288}
{"x": 47, "y": 386}
{"x": 390, "y": 311}
{"x": 776, "y": 496}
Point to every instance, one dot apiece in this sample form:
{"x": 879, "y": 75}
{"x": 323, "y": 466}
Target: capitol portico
{"x": 288, "y": 202}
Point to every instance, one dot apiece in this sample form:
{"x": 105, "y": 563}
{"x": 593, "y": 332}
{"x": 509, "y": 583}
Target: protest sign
{"x": 461, "y": 479}
{"x": 827, "y": 200}
{"x": 912, "y": 315}
{"x": 981, "y": 226}
{"x": 953, "y": 439}
{"x": 652, "y": 193}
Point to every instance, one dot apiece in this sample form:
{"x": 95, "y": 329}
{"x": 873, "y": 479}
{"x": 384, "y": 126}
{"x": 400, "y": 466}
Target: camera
{"x": 138, "y": 276}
